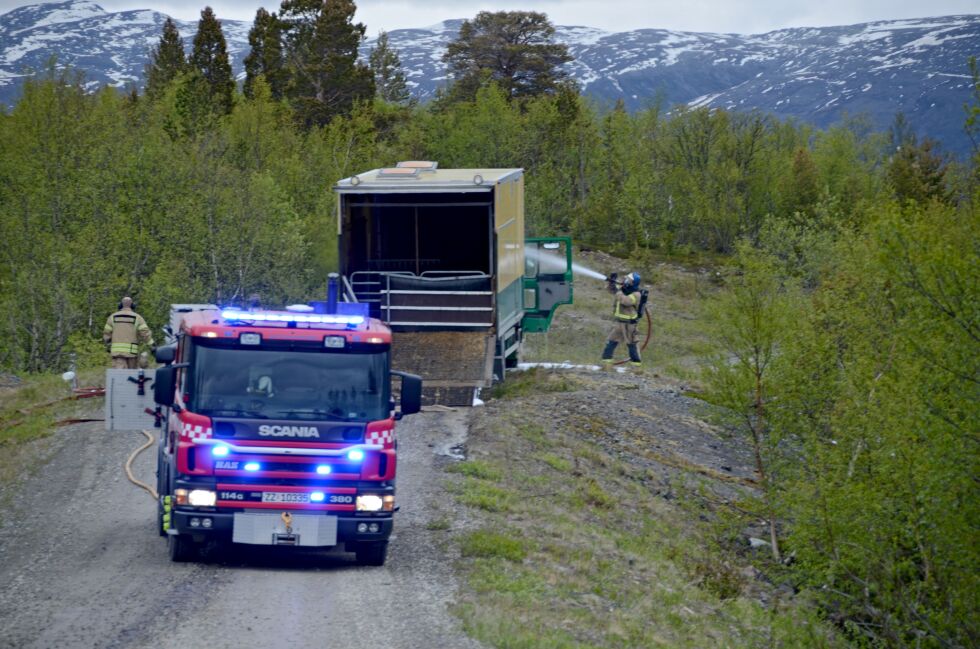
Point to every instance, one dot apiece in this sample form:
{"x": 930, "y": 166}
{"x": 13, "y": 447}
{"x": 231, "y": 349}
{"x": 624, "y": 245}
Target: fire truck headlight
{"x": 201, "y": 498}
{"x": 219, "y": 451}
{"x": 356, "y": 455}
{"x": 324, "y": 469}
{"x": 369, "y": 503}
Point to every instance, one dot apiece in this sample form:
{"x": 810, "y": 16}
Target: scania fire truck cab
{"x": 278, "y": 429}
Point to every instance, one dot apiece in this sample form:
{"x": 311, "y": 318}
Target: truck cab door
{"x": 547, "y": 280}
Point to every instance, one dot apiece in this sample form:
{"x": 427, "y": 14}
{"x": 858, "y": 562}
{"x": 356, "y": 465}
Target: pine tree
{"x": 266, "y": 56}
{"x": 167, "y": 60}
{"x": 511, "y": 48}
{"x": 389, "y": 79}
{"x": 210, "y": 58}
{"x": 325, "y": 77}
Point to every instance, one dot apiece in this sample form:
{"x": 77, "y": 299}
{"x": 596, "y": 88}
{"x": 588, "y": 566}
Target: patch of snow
{"x": 671, "y": 53}
{"x": 7, "y": 78}
{"x": 636, "y": 67}
{"x": 895, "y": 64}
{"x": 582, "y": 35}
{"x": 703, "y": 100}
{"x": 120, "y": 78}
{"x": 29, "y": 44}
{"x": 76, "y": 11}
{"x": 935, "y": 38}
{"x": 867, "y": 36}
{"x": 912, "y": 24}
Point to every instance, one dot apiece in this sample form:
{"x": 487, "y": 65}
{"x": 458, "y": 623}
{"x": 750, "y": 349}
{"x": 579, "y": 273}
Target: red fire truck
{"x": 279, "y": 429}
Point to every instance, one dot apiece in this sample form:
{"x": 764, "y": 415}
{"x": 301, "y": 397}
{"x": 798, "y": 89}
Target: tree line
{"x": 848, "y": 331}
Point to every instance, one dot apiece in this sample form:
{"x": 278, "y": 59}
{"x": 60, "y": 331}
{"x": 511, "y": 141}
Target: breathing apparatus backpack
{"x": 644, "y": 295}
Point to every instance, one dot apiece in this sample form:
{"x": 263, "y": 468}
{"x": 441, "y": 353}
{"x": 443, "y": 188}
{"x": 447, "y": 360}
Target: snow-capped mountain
{"x": 817, "y": 75}
{"x": 109, "y": 47}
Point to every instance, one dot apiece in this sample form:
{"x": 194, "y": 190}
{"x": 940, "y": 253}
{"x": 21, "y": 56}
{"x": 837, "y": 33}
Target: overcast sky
{"x": 737, "y": 16}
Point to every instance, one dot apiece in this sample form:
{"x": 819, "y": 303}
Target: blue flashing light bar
{"x": 219, "y": 451}
{"x": 317, "y": 497}
{"x": 253, "y": 466}
{"x": 323, "y": 469}
{"x": 307, "y": 318}
{"x": 356, "y": 455}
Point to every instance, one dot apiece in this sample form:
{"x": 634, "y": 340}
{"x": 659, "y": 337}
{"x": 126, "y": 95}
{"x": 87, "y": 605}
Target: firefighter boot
{"x": 607, "y": 353}
{"x": 634, "y": 357}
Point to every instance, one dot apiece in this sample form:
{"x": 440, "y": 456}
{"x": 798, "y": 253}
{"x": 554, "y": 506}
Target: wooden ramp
{"x": 452, "y": 364}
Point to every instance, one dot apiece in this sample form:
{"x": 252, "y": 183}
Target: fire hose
{"x": 150, "y": 439}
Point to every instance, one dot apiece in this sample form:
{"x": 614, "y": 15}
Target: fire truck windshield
{"x": 288, "y": 384}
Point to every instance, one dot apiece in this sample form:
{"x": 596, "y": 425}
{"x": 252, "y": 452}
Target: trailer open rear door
{"x": 547, "y": 280}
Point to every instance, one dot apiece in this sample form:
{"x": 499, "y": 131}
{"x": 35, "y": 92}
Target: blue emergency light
{"x": 307, "y": 318}
{"x": 219, "y": 451}
{"x": 356, "y": 455}
{"x": 317, "y": 497}
{"x": 253, "y": 466}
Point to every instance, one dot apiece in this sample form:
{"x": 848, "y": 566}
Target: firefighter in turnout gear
{"x": 626, "y": 312}
{"x": 123, "y": 332}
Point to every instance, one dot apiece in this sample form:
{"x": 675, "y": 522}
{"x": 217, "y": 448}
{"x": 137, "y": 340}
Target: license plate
{"x": 284, "y": 497}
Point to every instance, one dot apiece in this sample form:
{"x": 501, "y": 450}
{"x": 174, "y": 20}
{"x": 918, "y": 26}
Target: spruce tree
{"x": 210, "y": 58}
{"x": 325, "y": 77}
{"x": 389, "y": 79}
{"x": 266, "y": 56}
{"x": 167, "y": 60}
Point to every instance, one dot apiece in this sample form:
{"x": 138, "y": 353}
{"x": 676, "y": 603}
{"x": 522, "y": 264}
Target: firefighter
{"x": 626, "y": 313}
{"x": 123, "y": 332}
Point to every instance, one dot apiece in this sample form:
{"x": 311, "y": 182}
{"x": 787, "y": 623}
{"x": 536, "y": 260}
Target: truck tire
{"x": 181, "y": 547}
{"x": 372, "y": 554}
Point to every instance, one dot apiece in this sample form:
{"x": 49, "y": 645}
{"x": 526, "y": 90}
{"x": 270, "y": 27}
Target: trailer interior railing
{"x": 432, "y": 299}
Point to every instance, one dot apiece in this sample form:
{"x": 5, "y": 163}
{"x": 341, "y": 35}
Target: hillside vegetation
{"x": 842, "y": 345}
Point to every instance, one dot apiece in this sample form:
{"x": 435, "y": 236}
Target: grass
{"x": 488, "y": 544}
{"x": 533, "y": 381}
{"x": 574, "y": 549}
{"x": 30, "y": 410}
{"x": 28, "y": 414}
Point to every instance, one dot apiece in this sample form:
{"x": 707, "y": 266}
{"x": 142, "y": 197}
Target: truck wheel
{"x": 372, "y": 554}
{"x": 181, "y": 547}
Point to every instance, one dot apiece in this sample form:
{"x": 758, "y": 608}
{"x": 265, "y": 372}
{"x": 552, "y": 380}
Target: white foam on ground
{"x": 557, "y": 366}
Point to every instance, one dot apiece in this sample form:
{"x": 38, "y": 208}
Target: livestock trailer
{"x": 440, "y": 256}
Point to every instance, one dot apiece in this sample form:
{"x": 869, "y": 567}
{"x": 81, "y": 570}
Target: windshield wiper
{"x": 237, "y": 413}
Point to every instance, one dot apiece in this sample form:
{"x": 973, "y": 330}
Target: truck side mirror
{"x": 165, "y": 385}
{"x": 165, "y": 354}
{"x": 411, "y": 400}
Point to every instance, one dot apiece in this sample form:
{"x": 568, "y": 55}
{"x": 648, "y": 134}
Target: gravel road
{"x": 81, "y": 564}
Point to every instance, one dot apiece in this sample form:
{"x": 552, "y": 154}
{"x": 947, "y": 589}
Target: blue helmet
{"x": 633, "y": 279}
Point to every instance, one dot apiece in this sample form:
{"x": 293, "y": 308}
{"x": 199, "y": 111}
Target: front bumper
{"x": 221, "y": 525}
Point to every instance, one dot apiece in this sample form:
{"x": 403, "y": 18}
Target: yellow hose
{"x": 150, "y": 439}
